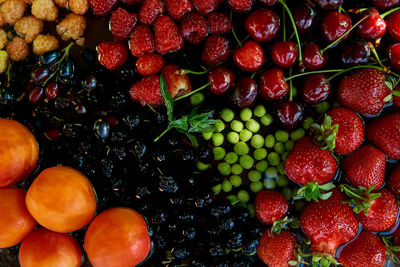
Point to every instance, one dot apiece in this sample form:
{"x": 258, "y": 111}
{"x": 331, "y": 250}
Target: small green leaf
{"x": 396, "y": 93}
{"x": 315, "y": 194}
{"x": 395, "y": 248}
{"x": 325, "y": 196}
{"x": 389, "y": 85}
{"x": 192, "y": 139}
{"x": 169, "y": 102}
{"x": 292, "y": 263}
{"x": 327, "y": 186}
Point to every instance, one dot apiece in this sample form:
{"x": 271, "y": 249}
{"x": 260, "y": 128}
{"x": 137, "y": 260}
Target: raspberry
{"x": 150, "y": 10}
{"x": 219, "y": 23}
{"x": 72, "y": 26}
{"x": 3, "y": 38}
{"x": 3, "y": 61}
{"x": 44, "y": 10}
{"x": 167, "y": 36}
{"x": 79, "y": 7}
{"x": 17, "y": 49}
{"x": 194, "y": 28}
{"x": 28, "y": 27}
{"x": 149, "y": 64}
{"x": 142, "y": 41}
{"x": 216, "y": 50}
{"x": 122, "y": 23}
{"x": 44, "y": 43}
{"x": 177, "y": 9}
{"x": 12, "y": 10}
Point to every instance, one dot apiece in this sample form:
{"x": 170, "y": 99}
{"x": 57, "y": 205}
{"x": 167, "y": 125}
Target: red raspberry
{"x": 194, "y": 28}
{"x": 216, "y": 50}
{"x": 147, "y": 91}
{"x": 219, "y": 23}
{"x": 111, "y": 54}
{"x": 149, "y": 64}
{"x": 206, "y": 6}
{"x": 240, "y": 6}
{"x": 150, "y": 10}
{"x": 177, "y": 9}
{"x": 167, "y": 36}
{"x": 102, "y": 7}
{"x": 142, "y": 41}
{"x": 122, "y": 23}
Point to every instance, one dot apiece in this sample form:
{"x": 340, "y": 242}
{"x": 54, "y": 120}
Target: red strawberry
{"x": 149, "y": 64}
{"x": 167, "y": 36}
{"x": 215, "y": 51}
{"x": 147, "y": 91}
{"x": 240, "y": 6}
{"x": 270, "y": 206}
{"x": 350, "y": 134}
{"x": 365, "y": 167}
{"x": 111, "y": 54}
{"x": 382, "y": 214}
{"x": 150, "y": 10}
{"x": 329, "y": 223}
{"x": 249, "y": 57}
{"x": 273, "y": 85}
{"x": 178, "y": 84}
{"x": 122, "y": 23}
{"x": 394, "y": 181}
{"x": 177, "y": 9}
{"x": 308, "y": 162}
{"x": 102, "y": 7}
{"x": 277, "y": 250}
{"x": 219, "y": 23}
{"x": 373, "y": 27}
{"x": 142, "y": 41}
{"x": 206, "y": 6}
{"x": 262, "y": 25}
{"x": 384, "y": 132}
{"x": 366, "y": 249}
{"x": 194, "y": 28}
{"x": 364, "y": 92}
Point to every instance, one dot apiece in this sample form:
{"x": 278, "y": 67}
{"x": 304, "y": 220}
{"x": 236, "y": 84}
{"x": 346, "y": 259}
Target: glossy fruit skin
{"x": 262, "y": 25}
{"x": 117, "y": 237}
{"x": 304, "y": 17}
{"x": 356, "y": 52}
{"x": 313, "y": 58}
{"x": 329, "y": 4}
{"x": 316, "y": 89}
{"x": 284, "y": 54}
{"x": 393, "y": 52}
{"x": 61, "y": 199}
{"x": 221, "y": 79}
{"x": 16, "y": 222}
{"x": 394, "y": 181}
{"x": 36, "y": 95}
{"x": 334, "y": 25}
{"x": 273, "y": 85}
{"x": 250, "y": 57}
{"x": 385, "y": 4}
{"x": 290, "y": 114}
{"x": 52, "y": 90}
{"x": 270, "y": 206}
{"x": 245, "y": 93}
{"x": 46, "y": 248}
{"x": 394, "y": 25}
{"x": 19, "y": 152}
{"x": 373, "y": 27}
{"x": 329, "y": 223}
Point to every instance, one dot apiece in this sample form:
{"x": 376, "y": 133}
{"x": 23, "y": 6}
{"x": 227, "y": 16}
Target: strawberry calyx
{"x": 323, "y": 260}
{"x": 325, "y": 133}
{"x": 313, "y": 191}
{"x": 278, "y": 226}
{"x": 360, "y": 198}
{"x": 391, "y": 249}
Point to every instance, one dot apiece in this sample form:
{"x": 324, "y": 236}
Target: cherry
{"x": 393, "y": 52}
{"x": 249, "y": 57}
{"x": 334, "y": 25}
{"x": 262, "y": 25}
{"x": 313, "y": 57}
{"x": 329, "y": 4}
{"x": 396, "y": 99}
{"x": 221, "y": 79}
{"x": 40, "y": 75}
{"x": 356, "y": 52}
{"x": 373, "y": 27}
{"x": 290, "y": 114}
{"x": 245, "y": 93}
{"x": 385, "y": 4}
{"x": 394, "y": 25}
{"x": 284, "y": 54}
{"x": 35, "y": 95}
{"x": 52, "y": 90}
{"x": 316, "y": 88}
{"x": 273, "y": 85}
{"x": 268, "y": 2}
{"x": 304, "y": 18}
{"x": 89, "y": 83}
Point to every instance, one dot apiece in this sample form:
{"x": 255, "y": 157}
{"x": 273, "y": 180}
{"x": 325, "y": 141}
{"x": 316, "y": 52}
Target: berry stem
{"x": 233, "y": 30}
{"x": 373, "y": 50}
{"x": 389, "y": 12}
{"x": 344, "y": 187}
{"x": 162, "y": 134}
{"x": 192, "y": 92}
{"x": 65, "y": 54}
{"x": 311, "y": 72}
{"x": 358, "y": 67}
{"x": 182, "y": 72}
{"x": 284, "y": 23}
{"x": 290, "y": 86}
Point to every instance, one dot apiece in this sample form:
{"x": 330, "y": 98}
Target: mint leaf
{"x": 169, "y": 102}
{"x": 181, "y": 124}
{"x": 201, "y": 123}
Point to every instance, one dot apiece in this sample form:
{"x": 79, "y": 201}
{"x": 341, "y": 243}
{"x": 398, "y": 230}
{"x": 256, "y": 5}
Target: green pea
{"x": 254, "y": 176}
{"x": 274, "y": 159}
{"x": 252, "y": 126}
{"x": 251, "y": 209}
{"x": 287, "y": 192}
{"x": 297, "y": 134}
{"x": 269, "y": 184}
{"x": 281, "y": 136}
{"x": 282, "y": 181}
{"x": 227, "y": 114}
{"x": 257, "y": 141}
{"x": 219, "y": 153}
{"x": 232, "y": 137}
{"x": 226, "y": 186}
{"x": 216, "y": 188}
{"x": 197, "y": 99}
{"x": 241, "y": 148}
{"x": 271, "y": 172}
{"x": 237, "y": 169}
{"x": 207, "y": 136}
{"x": 243, "y": 196}
{"x": 232, "y": 198}
{"x": 235, "y": 180}
{"x": 299, "y": 205}
{"x": 267, "y": 119}
{"x": 307, "y": 123}
{"x": 224, "y": 168}
{"x": 285, "y": 155}
{"x": 269, "y": 141}
{"x": 246, "y": 114}
{"x": 201, "y": 166}
{"x": 259, "y": 111}
{"x": 219, "y": 126}
{"x": 289, "y": 145}
{"x": 256, "y": 186}
{"x": 245, "y": 135}
{"x": 262, "y": 165}
{"x": 237, "y": 126}
{"x": 279, "y": 148}
{"x": 231, "y": 157}
{"x": 322, "y": 107}
{"x": 246, "y": 162}
{"x": 281, "y": 168}
{"x": 260, "y": 153}
{"x": 217, "y": 139}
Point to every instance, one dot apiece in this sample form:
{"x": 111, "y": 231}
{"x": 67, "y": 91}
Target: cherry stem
{"x": 311, "y": 72}
{"x": 233, "y": 31}
{"x": 182, "y": 72}
{"x": 389, "y": 12}
{"x": 361, "y": 67}
{"x": 290, "y": 86}
{"x": 162, "y": 134}
{"x": 341, "y": 9}
{"x": 284, "y": 23}
{"x": 371, "y": 46}
{"x": 192, "y": 92}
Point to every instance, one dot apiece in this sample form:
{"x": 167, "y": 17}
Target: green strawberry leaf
{"x": 396, "y": 93}
{"x": 389, "y": 85}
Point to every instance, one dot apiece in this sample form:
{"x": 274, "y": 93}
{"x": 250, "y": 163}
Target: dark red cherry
{"x": 373, "y": 27}
{"x": 53, "y": 134}
{"x": 316, "y": 88}
{"x": 313, "y": 58}
{"x": 52, "y": 90}
{"x": 385, "y": 4}
{"x": 221, "y": 79}
{"x": 245, "y": 93}
{"x": 36, "y": 95}
{"x": 40, "y": 75}
{"x": 249, "y": 57}
{"x": 334, "y": 25}
{"x": 284, "y": 54}
{"x": 273, "y": 85}
{"x": 304, "y": 17}
{"x": 394, "y": 25}
{"x": 393, "y": 52}
{"x": 268, "y": 2}
{"x": 356, "y": 52}
{"x": 329, "y": 4}
{"x": 262, "y": 25}
{"x": 290, "y": 114}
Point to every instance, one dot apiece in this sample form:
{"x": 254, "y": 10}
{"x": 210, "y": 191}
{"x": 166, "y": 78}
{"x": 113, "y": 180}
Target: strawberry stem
{"x": 192, "y": 92}
{"x": 389, "y": 12}
{"x": 326, "y": 133}
{"x": 360, "y": 198}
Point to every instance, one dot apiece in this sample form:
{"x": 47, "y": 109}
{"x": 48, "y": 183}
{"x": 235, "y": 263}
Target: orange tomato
{"x": 18, "y": 152}
{"x": 117, "y": 237}
{"x": 15, "y": 221}
{"x": 45, "y": 248}
{"x": 61, "y": 199}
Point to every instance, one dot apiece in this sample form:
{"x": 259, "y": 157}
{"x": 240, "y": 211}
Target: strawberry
{"x": 178, "y": 84}
{"x": 384, "y": 132}
{"x": 394, "y": 181}
{"x": 111, "y": 54}
{"x": 350, "y": 134}
{"x": 206, "y": 6}
{"x": 122, "y": 23}
{"x": 277, "y": 250}
{"x": 194, "y": 28}
{"x": 177, "y": 9}
{"x": 142, "y": 41}
{"x": 215, "y": 51}
{"x": 328, "y": 223}
{"x": 366, "y": 249}
{"x": 364, "y": 91}
{"x": 150, "y": 10}
{"x": 167, "y": 36}
{"x": 365, "y": 167}
{"x": 149, "y": 64}
{"x": 240, "y": 6}
{"x": 102, "y": 7}
{"x": 270, "y": 206}
{"x": 219, "y": 23}
{"x": 147, "y": 91}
